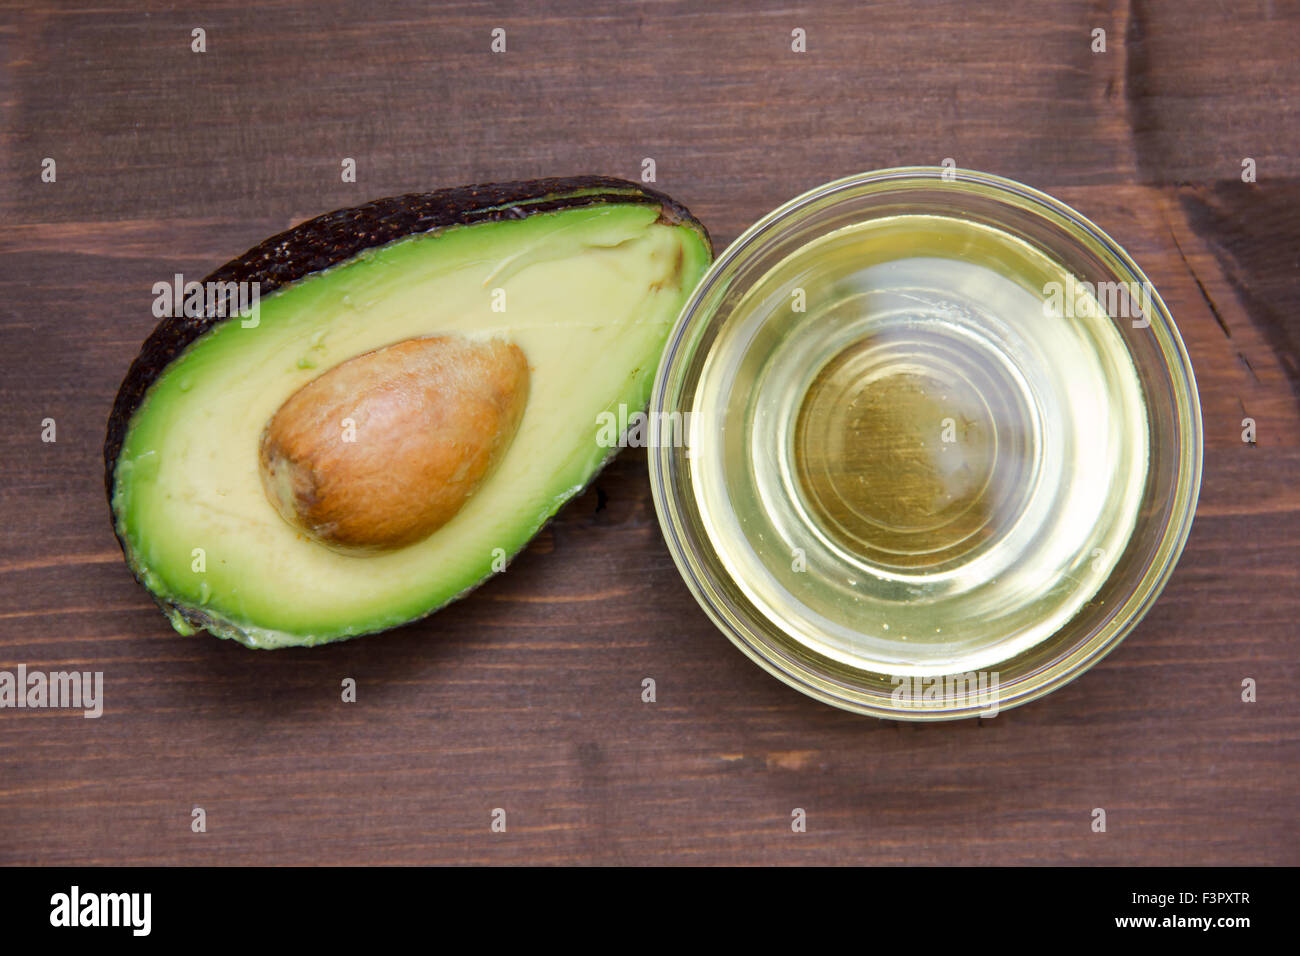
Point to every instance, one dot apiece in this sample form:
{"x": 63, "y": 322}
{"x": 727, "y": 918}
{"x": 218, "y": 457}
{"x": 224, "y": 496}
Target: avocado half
{"x": 585, "y": 275}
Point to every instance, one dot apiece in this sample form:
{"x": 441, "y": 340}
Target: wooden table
{"x": 527, "y": 695}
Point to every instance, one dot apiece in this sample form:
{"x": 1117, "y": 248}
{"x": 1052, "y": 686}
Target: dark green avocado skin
{"x": 335, "y": 237}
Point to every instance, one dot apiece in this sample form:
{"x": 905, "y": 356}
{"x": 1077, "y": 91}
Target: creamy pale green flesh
{"x": 589, "y": 295}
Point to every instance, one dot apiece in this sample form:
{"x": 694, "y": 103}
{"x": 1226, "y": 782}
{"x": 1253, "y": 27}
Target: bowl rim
{"x": 1156, "y": 573}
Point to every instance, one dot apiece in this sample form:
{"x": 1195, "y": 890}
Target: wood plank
{"x": 527, "y": 695}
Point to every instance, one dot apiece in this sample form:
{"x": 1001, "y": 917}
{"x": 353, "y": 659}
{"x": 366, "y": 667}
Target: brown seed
{"x": 385, "y": 448}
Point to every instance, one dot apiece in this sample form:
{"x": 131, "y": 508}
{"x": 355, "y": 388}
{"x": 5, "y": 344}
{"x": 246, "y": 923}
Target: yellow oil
{"x": 908, "y": 456}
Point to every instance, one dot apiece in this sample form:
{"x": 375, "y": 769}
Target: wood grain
{"x": 527, "y": 695}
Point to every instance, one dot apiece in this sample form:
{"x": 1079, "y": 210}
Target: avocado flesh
{"x": 590, "y": 294}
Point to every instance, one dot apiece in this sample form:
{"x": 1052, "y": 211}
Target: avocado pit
{"x": 384, "y": 449}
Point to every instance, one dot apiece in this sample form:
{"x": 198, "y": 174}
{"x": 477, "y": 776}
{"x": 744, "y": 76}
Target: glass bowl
{"x": 925, "y": 443}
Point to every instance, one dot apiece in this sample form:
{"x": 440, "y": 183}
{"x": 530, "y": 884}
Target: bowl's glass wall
{"x": 1174, "y": 438}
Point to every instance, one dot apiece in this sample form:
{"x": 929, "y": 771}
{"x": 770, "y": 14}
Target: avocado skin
{"x": 336, "y": 237}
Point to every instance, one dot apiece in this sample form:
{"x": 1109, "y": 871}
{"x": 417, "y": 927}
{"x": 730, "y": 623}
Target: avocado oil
{"x": 911, "y": 457}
